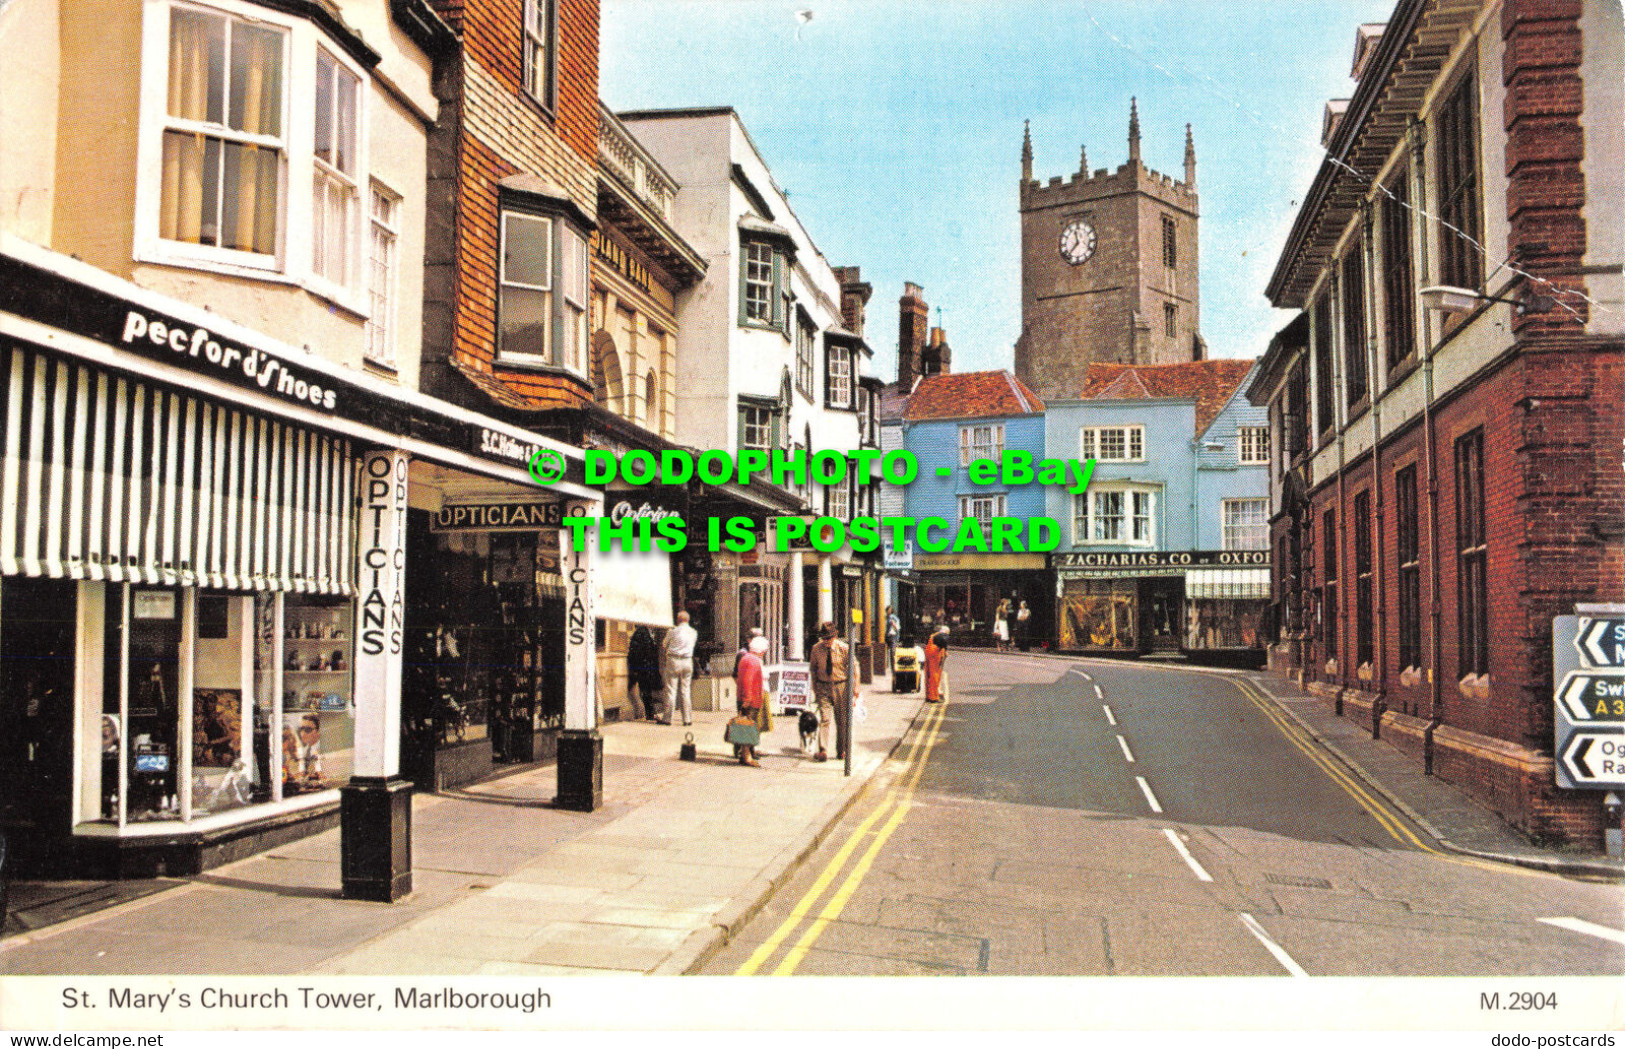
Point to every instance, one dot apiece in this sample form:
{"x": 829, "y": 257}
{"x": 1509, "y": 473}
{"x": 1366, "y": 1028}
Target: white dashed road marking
{"x": 1270, "y": 945}
{"x": 1185, "y": 854}
{"x": 1128, "y": 755}
{"x": 1580, "y": 925}
{"x": 1150, "y": 797}
{"x": 1111, "y": 718}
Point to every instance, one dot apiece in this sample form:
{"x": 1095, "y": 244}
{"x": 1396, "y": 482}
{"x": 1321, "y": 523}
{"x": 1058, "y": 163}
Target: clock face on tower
{"x": 1077, "y": 242}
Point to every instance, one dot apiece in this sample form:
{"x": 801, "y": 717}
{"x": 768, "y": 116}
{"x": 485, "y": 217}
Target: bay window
{"x": 1114, "y": 515}
{"x": 252, "y": 149}
{"x": 541, "y": 254}
{"x": 838, "y": 376}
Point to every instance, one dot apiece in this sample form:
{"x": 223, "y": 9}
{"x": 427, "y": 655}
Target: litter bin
{"x": 905, "y": 669}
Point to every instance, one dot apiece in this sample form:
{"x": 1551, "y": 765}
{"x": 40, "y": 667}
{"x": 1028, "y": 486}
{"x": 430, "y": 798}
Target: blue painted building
{"x": 951, "y": 420}
{"x": 1168, "y": 550}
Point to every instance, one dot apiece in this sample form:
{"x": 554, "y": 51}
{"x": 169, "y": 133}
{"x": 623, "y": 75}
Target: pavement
{"x": 656, "y": 881}
{"x": 680, "y": 855}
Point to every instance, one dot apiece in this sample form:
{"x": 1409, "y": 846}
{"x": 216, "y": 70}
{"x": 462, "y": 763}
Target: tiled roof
{"x": 971, "y": 395}
{"x": 1209, "y": 383}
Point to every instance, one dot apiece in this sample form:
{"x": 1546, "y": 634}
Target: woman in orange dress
{"x": 936, "y": 655}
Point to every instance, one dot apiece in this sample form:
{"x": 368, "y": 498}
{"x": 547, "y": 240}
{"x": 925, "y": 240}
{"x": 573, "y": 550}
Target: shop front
{"x": 964, "y": 592}
{"x": 201, "y": 610}
{"x": 1198, "y": 602}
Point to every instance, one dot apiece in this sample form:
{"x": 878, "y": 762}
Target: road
{"x": 1087, "y": 817}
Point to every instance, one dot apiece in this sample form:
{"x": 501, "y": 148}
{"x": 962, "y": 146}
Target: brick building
{"x": 1447, "y": 474}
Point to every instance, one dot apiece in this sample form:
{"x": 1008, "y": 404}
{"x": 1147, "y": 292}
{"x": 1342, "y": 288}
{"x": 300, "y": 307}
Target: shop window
{"x": 1121, "y": 444}
{"x": 1460, "y": 256}
{"x": 318, "y": 707}
{"x": 1246, "y": 524}
{"x": 1254, "y": 445}
{"x": 1472, "y": 580}
{"x": 980, "y": 442}
{"x": 1100, "y": 613}
{"x": 1408, "y": 545}
{"x": 1353, "y": 285}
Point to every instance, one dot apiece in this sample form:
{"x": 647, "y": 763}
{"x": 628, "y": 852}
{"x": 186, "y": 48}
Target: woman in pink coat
{"x": 752, "y": 693}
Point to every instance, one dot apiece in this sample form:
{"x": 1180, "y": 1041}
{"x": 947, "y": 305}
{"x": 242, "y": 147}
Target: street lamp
{"x": 1448, "y": 299}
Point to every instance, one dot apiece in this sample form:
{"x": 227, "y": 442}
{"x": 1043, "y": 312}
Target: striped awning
{"x": 1244, "y": 583}
{"x": 106, "y": 477}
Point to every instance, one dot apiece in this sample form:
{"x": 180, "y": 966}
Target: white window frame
{"x": 292, "y": 261}
{"x": 837, "y": 499}
{"x": 983, "y": 507}
{"x": 1133, "y": 509}
{"x": 539, "y": 83}
{"x": 383, "y": 276}
{"x": 750, "y": 411}
{"x": 838, "y": 364}
{"x": 1090, "y": 441}
{"x": 504, "y": 355}
{"x": 753, "y": 248}
{"x": 346, "y": 183}
{"x": 573, "y": 286}
{"x": 972, "y": 447}
{"x": 1253, "y": 445}
{"x": 1236, "y": 532}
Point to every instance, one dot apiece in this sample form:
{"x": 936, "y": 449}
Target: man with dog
{"x": 829, "y": 686}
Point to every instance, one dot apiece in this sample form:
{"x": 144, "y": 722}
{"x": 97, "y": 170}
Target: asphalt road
{"x": 1095, "y": 818}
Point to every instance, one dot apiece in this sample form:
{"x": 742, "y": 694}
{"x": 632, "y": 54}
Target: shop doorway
{"x": 37, "y": 625}
{"x": 1162, "y": 606}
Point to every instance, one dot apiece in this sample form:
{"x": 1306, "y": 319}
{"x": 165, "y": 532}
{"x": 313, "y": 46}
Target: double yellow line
{"x": 899, "y": 799}
{"x": 1390, "y": 821}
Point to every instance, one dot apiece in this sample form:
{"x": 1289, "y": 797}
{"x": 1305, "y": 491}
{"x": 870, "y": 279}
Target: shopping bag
{"x": 742, "y": 732}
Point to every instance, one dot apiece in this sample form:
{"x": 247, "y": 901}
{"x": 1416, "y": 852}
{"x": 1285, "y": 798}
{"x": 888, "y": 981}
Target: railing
{"x": 620, "y": 152}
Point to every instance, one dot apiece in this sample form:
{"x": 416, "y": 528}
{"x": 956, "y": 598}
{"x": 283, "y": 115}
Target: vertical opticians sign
{"x": 580, "y": 642}
{"x": 380, "y": 613}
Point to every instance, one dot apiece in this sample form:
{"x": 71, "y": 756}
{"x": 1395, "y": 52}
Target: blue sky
{"x": 895, "y": 126}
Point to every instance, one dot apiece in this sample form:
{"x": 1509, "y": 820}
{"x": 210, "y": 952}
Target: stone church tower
{"x": 1108, "y": 269}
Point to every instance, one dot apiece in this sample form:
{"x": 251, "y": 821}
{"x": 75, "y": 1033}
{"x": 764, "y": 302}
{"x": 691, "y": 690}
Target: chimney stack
{"x": 937, "y": 357}
{"x": 912, "y": 324}
{"x": 854, "y": 297}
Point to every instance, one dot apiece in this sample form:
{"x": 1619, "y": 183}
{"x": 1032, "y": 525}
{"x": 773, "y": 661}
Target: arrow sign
{"x": 1601, "y": 642}
{"x": 1593, "y": 695}
{"x": 1595, "y": 759}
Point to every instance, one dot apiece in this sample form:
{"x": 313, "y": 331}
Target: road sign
{"x": 1593, "y": 695}
{"x": 1594, "y": 759}
{"x": 1601, "y": 642}
{"x": 1588, "y": 722}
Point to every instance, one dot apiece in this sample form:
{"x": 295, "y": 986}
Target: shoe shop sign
{"x": 1588, "y": 675}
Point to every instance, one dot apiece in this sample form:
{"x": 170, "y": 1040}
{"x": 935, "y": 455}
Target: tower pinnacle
{"x": 1026, "y": 151}
{"x": 1083, "y": 161}
{"x": 1190, "y": 159}
{"x": 1133, "y": 131}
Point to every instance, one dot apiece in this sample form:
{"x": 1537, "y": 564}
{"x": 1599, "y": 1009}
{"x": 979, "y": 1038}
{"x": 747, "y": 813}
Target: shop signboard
{"x": 795, "y": 686}
{"x": 513, "y": 515}
{"x": 1588, "y": 671}
{"x": 895, "y": 559}
{"x": 1121, "y": 562}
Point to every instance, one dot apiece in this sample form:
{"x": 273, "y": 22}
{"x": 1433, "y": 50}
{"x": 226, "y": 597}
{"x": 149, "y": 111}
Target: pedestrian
{"x": 1001, "y": 625}
{"x": 894, "y": 629}
{"x": 751, "y": 635}
{"x": 936, "y": 658}
{"x": 753, "y": 696}
{"x": 1024, "y": 627}
{"x": 677, "y": 663}
{"x": 643, "y": 671}
{"x": 829, "y": 687}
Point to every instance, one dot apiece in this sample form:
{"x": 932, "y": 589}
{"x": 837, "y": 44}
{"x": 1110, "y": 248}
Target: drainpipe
{"x": 1379, "y": 706}
{"x": 1417, "y": 135}
{"x": 1340, "y": 407}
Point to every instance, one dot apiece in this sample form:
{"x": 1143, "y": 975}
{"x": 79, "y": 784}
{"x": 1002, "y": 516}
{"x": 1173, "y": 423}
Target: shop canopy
{"x": 1234, "y": 583}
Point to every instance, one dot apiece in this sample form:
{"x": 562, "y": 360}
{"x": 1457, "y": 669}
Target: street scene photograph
{"x": 502, "y": 495}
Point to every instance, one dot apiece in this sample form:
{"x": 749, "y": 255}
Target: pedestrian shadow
{"x": 297, "y": 892}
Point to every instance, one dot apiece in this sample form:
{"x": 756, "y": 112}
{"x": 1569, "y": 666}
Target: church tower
{"x": 1108, "y": 268}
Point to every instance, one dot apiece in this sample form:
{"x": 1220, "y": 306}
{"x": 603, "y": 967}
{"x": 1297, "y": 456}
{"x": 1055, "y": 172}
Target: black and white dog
{"x": 808, "y": 722}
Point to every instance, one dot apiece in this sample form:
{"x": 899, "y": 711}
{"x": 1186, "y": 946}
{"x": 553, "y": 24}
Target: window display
{"x": 1099, "y": 613}
{"x": 318, "y": 707}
